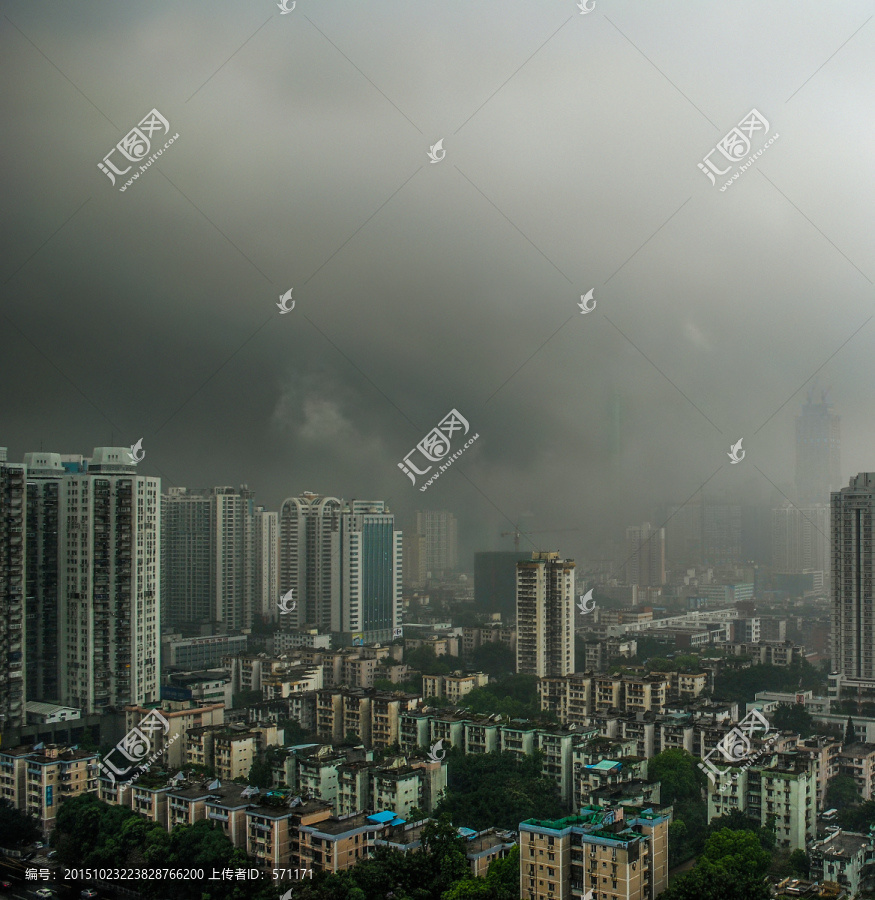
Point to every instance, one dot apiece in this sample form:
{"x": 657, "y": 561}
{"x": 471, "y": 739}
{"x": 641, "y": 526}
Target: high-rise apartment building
{"x": 800, "y": 539}
{"x": 44, "y": 475}
{"x": 109, "y": 611}
{"x": 13, "y": 636}
{"x": 344, "y": 562}
{"x": 853, "y": 567}
{"x": 439, "y": 528}
{"x": 545, "y": 615}
{"x": 220, "y": 557}
{"x": 818, "y": 451}
{"x": 645, "y": 552}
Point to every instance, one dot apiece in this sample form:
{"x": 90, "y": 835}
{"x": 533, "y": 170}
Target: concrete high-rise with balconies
{"x": 545, "y": 615}
{"x": 13, "y": 632}
{"x": 344, "y": 562}
{"x": 109, "y": 584}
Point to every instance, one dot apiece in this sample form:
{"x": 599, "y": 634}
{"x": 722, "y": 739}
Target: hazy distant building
{"x": 109, "y": 584}
{"x": 683, "y": 533}
{"x": 414, "y": 560}
{"x": 495, "y": 582}
{"x": 818, "y": 451}
{"x": 545, "y": 615}
{"x": 13, "y": 512}
{"x": 440, "y": 530}
{"x": 645, "y": 556}
{"x": 220, "y": 560}
{"x": 44, "y": 474}
{"x": 721, "y": 532}
{"x": 800, "y": 539}
{"x": 344, "y": 562}
{"x": 853, "y": 590}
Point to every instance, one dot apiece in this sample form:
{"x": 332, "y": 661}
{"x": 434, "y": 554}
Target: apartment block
{"x": 545, "y": 615}
{"x": 858, "y": 761}
{"x": 616, "y": 854}
{"x": 13, "y": 577}
{"x": 371, "y": 715}
{"x": 452, "y": 687}
{"x": 273, "y": 830}
{"x": 182, "y": 716}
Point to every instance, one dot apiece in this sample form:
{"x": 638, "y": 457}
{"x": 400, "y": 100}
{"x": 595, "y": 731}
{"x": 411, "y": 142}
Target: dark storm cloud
{"x": 572, "y": 143}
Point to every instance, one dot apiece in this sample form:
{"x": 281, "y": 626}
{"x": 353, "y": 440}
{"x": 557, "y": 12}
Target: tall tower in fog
{"x": 545, "y": 615}
{"x": 439, "y": 528}
{"x": 818, "y": 451}
{"x": 853, "y": 602}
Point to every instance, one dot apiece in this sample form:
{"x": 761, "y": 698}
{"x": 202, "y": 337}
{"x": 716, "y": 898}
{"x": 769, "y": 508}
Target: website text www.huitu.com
{"x": 154, "y": 156}
{"x": 750, "y": 162}
{"x": 449, "y": 462}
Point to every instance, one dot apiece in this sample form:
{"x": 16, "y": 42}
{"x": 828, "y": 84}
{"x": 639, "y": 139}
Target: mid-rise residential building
{"x": 842, "y": 858}
{"x": 200, "y": 652}
{"x": 181, "y": 716}
{"x": 615, "y": 853}
{"x": 545, "y": 615}
{"x": 858, "y": 761}
{"x": 452, "y": 687}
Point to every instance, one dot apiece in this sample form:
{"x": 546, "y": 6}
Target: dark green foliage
{"x": 91, "y": 833}
{"x": 799, "y": 863}
{"x": 738, "y": 821}
{"x": 794, "y": 717}
{"x": 743, "y": 684}
{"x": 502, "y": 882}
{"x": 246, "y": 698}
{"x": 426, "y": 661}
{"x": 293, "y": 733}
{"x": 17, "y": 828}
{"x": 425, "y": 875}
{"x": 733, "y": 866}
{"x": 493, "y": 658}
{"x": 842, "y": 792}
{"x": 849, "y": 732}
{"x": 858, "y": 818}
{"x": 682, "y": 783}
{"x": 410, "y": 687}
{"x": 515, "y": 696}
{"x": 497, "y": 789}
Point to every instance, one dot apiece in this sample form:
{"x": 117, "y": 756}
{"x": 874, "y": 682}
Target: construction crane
{"x": 518, "y": 534}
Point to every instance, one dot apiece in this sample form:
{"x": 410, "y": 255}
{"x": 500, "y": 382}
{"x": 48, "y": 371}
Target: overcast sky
{"x": 572, "y": 142}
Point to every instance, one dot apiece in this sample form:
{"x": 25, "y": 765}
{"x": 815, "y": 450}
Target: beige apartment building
{"x": 452, "y": 687}
{"x": 182, "y": 716}
{"x": 618, "y": 854}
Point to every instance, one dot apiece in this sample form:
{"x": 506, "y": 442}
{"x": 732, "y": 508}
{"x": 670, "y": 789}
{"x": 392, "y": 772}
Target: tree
{"x": 246, "y": 698}
{"x": 681, "y": 785}
{"x": 849, "y": 732}
{"x": 497, "y": 789}
{"x": 794, "y": 717}
{"x": 426, "y": 661}
{"x": 842, "y": 792}
{"x": 261, "y": 773}
{"x": 17, "y": 828}
{"x": 494, "y": 659}
{"x": 799, "y": 863}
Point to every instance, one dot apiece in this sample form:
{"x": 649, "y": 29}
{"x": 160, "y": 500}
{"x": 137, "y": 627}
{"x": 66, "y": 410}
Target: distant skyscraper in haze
{"x": 439, "y": 528}
{"x": 800, "y": 539}
{"x": 109, "y": 584}
{"x": 220, "y": 557}
{"x": 853, "y": 578}
{"x": 13, "y": 635}
{"x": 495, "y": 582}
{"x": 818, "y": 451}
{"x": 45, "y": 471}
{"x": 545, "y": 615}
{"x": 344, "y": 562}
{"x": 414, "y": 560}
{"x": 645, "y": 555}
{"x": 721, "y": 533}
